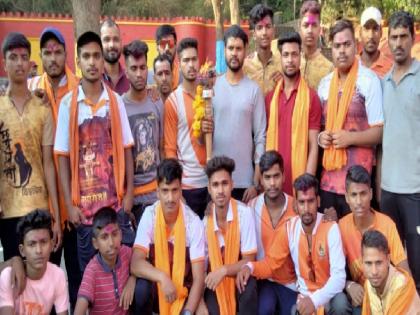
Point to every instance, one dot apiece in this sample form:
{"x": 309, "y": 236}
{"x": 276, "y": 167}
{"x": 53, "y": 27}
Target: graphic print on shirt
{"x": 17, "y": 168}
{"x": 97, "y": 184}
{"x": 144, "y": 152}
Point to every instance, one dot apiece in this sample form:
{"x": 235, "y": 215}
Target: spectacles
{"x": 167, "y": 42}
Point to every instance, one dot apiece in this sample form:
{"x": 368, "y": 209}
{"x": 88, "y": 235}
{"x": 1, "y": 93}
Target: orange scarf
{"x": 225, "y": 291}
{"x": 175, "y": 73}
{"x": 335, "y": 159}
{"x": 401, "y": 301}
{"x": 44, "y": 83}
{"x": 300, "y": 130}
{"x": 117, "y": 146}
{"x": 162, "y": 260}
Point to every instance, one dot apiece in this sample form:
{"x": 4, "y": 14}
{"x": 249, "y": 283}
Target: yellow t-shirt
{"x": 22, "y": 181}
{"x": 314, "y": 69}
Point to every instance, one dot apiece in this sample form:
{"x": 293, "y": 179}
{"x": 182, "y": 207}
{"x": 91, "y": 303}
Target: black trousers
{"x": 9, "y": 238}
{"x": 197, "y": 199}
{"x": 404, "y": 209}
{"x": 337, "y": 201}
{"x": 246, "y": 302}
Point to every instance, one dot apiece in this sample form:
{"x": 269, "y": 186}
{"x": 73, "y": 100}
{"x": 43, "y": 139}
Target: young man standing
{"x": 46, "y": 284}
{"x": 146, "y": 123}
{"x": 239, "y": 113}
{"x": 114, "y": 75}
{"x": 388, "y": 289}
{"x": 351, "y": 98}
{"x": 400, "y": 163}
{"x": 314, "y": 65}
{"x": 162, "y": 67}
{"x": 168, "y": 255}
{"x": 361, "y": 219}
{"x": 294, "y": 115}
{"x": 27, "y": 174}
{"x": 231, "y": 243}
{"x": 262, "y": 66}
{"x": 272, "y": 209}
{"x": 316, "y": 251}
{"x": 94, "y": 142}
{"x": 179, "y": 141}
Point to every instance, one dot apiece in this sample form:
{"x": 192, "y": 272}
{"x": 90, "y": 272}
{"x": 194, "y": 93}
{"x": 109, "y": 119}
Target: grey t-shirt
{"x": 146, "y": 123}
{"x": 401, "y": 140}
{"x": 239, "y": 126}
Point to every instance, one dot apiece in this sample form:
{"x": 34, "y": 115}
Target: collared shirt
{"x": 262, "y": 74}
{"x": 246, "y": 224}
{"x": 365, "y": 111}
{"x": 285, "y": 113}
{"x": 102, "y": 286}
{"x": 381, "y": 66}
{"x": 122, "y": 86}
{"x": 315, "y": 68}
{"x": 401, "y": 143}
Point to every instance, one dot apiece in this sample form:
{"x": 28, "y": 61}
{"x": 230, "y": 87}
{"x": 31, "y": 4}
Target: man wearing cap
{"x": 56, "y": 81}
{"x": 370, "y": 35}
{"x": 114, "y": 74}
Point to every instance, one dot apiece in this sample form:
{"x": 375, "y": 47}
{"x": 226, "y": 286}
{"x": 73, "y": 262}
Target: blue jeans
{"x": 85, "y": 249}
{"x": 275, "y": 298}
{"x": 338, "y": 305}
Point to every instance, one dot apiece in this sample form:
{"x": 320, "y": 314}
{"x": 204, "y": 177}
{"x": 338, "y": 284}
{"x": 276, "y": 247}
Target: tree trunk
{"x": 234, "y": 12}
{"x": 218, "y": 18}
{"x": 86, "y": 16}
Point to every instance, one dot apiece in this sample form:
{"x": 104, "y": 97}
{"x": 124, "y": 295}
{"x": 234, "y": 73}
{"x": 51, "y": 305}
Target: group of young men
{"x": 148, "y": 224}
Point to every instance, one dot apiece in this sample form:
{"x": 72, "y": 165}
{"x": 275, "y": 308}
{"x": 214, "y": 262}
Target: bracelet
{"x": 317, "y": 140}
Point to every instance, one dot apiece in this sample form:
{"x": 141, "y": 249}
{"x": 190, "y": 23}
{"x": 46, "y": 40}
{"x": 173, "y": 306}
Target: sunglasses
{"x": 167, "y": 42}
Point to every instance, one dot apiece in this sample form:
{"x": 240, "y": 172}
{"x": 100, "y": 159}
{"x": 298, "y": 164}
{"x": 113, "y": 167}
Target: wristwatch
{"x": 186, "y": 312}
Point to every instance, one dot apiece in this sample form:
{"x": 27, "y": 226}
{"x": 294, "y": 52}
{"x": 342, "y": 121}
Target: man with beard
{"x": 388, "y": 289}
{"x": 166, "y": 44}
{"x": 179, "y": 141}
{"x": 262, "y": 66}
{"x": 294, "y": 115}
{"x": 351, "y": 98}
{"x": 271, "y": 211}
{"x": 114, "y": 74}
{"x": 94, "y": 141}
{"x": 400, "y": 164}
{"x": 314, "y": 65}
{"x": 316, "y": 251}
{"x": 163, "y": 75}
{"x": 146, "y": 123}
{"x": 239, "y": 117}
{"x": 370, "y": 37}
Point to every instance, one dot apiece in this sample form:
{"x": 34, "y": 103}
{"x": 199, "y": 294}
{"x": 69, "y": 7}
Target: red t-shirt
{"x": 286, "y": 107}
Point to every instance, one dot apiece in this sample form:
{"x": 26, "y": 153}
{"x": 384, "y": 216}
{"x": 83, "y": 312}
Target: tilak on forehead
{"x": 312, "y": 18}
{"x": 265, "y": 21}
{"x": 52, "y": 46}
{"x": 109, "y": 228}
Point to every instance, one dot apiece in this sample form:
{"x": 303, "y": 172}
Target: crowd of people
{"x": 309, "y": 204}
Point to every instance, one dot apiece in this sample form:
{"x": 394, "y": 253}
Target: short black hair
{"x": 269, "y": 159}
{"x": 235, "y": 31}
{"x": 35, "y": 220}
{"x": 185, "y": 43}
{"x": 108, "y": 22}
{"x": 168, "y": 171}
{"x": 258, "y": 13}
{"x": 218, "y": 163}
{"x": 161, "y": 58}
{"x": 357, "y": 174}
{"x": 289, "y": 37}
{"x": 87, "y": 38}
{"x": 165, "y": 30}
{"x": 103, "y": 217}
{"x": 15, "y": 40}
{"x": 311, "y": 6}
{"x": 136, "y": 48}
{"x": 401, "y": 19}
{"x": 305, "y": 182}
{"x": 375, "y": 239}
{"x": 340, "y": 26}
